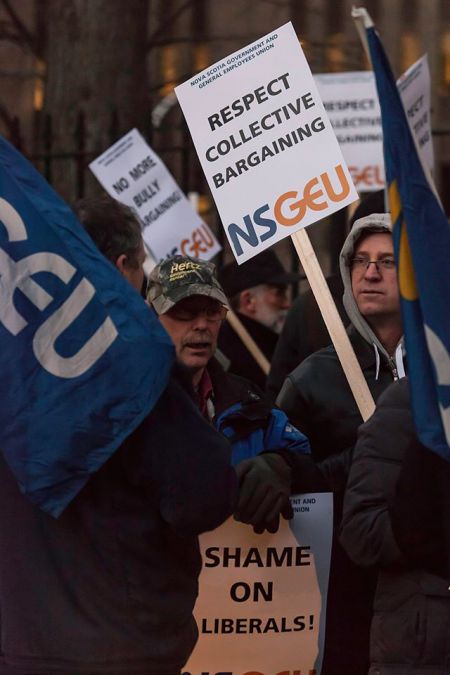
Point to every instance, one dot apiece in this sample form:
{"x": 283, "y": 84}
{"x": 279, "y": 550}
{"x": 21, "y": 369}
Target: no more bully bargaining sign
{"x": 131, "y": 172}
{"x": 262, "y": 598}
{"x": 265, "y": 143}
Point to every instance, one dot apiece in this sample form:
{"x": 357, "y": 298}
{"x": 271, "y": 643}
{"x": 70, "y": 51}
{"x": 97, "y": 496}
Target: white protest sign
{"x": 265, "y": 143}
{"x": 261, "y": 608}
{"x": 131, "y": 172}
{"x": 351, "y": 101}
{"x": 414, "y": 87}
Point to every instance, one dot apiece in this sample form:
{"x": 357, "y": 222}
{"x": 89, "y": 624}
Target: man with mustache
{"x": 192, "y": 306}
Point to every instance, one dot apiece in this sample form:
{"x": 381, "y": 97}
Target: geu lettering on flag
{"x": 18, "y": 275}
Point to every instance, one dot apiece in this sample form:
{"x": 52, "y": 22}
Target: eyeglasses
{"x": 363, "y": 264}
{"x": 212, "y": 314}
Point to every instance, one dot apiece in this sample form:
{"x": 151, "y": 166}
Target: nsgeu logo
{"x": 18, "y": 275}
{"x": 289, "y": 209}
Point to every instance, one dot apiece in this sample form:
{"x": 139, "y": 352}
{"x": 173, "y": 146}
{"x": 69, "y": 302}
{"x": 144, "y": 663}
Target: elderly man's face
{"x": 270, "y": 305}
{"x": 194, "y": 324}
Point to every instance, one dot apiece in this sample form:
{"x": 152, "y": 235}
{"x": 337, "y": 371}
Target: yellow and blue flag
{"x": 422, "y": 246}
{"x": 82, "y": 358}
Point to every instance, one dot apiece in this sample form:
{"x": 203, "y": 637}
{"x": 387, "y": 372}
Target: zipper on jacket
{"x": 393, "y": 367}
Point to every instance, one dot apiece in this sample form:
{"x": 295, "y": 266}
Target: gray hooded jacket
{"x": 319, "y": 402}
{"x": 316, "y": 395}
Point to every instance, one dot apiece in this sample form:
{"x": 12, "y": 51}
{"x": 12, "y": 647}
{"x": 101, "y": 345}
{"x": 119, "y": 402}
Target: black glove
{"x": 264, "y": 490}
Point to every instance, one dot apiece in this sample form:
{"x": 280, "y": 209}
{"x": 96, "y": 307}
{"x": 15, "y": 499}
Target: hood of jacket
{"x": 376, "y": 222}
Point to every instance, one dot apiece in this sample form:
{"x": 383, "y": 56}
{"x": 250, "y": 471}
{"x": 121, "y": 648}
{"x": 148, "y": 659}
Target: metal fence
{"x": 180, "y": 157}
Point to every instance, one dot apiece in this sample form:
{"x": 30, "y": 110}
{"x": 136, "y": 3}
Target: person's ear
{"x": 122, "y": 263}
{"x": 247, "y": 301}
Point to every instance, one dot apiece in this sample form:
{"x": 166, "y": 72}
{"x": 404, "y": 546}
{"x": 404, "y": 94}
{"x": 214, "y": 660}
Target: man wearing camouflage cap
{"x": 192, "y": 307}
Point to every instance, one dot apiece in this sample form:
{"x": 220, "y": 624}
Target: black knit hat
{"x": 265, "y": 268}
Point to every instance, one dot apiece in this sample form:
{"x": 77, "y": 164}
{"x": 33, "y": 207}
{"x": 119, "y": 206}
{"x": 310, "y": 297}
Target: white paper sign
{"x": 262, "y": 600}
{"x": 351, "y": 101}
{"x": 265, "y": 143}
{"x": 131, "y": 172}
{"x": 414, "y": 87}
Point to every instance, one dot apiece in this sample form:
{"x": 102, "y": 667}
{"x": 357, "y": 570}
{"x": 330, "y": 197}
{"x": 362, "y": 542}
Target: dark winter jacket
{"x": 420, "y": 514}
{"x": 411, "y": 623}
{"x": 304, "y": 332}
{"x": 109, "y": 587}
{"x": 318, "y": 400}
{"x": 241, "y": 361}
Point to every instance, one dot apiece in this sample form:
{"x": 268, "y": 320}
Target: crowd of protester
{"x": 109, "y": 587}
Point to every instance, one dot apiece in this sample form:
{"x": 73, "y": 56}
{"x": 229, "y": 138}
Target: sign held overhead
{"x": 131, "y": 172}
{"x": 265, "y": 143}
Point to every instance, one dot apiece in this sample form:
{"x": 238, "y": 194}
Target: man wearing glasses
{"x": 318, "y": 400}
{"x": 192, "y": 306}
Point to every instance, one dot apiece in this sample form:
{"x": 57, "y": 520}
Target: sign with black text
{"x": 265, "y": 143}
{"x": 131, "y": 172}
{"x": 262, "y": 598}
{"x": 414, "y": 87}
{"x": 351, "y": 101}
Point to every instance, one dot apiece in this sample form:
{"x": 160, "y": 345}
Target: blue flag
{"x": 422, "y": 246}
{"x": 83, "y": 359}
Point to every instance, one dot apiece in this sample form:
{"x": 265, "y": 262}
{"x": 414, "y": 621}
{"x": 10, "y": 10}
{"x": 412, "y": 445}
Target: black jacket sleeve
{"x": 185, "y": 464}
{"x": 306, "y": 475}
{"x": 333, "y": 470}
{"x": 366, "y": 532}
{"x": 291, "y": 400}
{"x": 421, "y": 508}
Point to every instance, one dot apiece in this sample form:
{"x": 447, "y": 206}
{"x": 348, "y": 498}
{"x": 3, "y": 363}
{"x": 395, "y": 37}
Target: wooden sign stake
{"x": 333, "y": 322}
{"x": 248, "y": 341}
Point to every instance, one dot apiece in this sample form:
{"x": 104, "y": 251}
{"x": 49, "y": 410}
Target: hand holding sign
{"x": 262, "y": 598}
{"x": 264, "y": 491}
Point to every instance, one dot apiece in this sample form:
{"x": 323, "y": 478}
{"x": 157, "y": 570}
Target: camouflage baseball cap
{"x": 180, "y": 277}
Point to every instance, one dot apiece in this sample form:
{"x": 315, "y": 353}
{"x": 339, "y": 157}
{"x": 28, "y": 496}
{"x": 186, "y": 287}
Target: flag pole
{"x": 363, "y": 20}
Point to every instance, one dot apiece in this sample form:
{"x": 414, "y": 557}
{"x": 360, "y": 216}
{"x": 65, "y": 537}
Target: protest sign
{"x": 351, "y": 101}
{"x": 131, "y": 172}
{"x": 271, "y": 187}
{"x": 414, "y": 87}
{"x": 265, "y": 143}
{"x": 262, "y": 601}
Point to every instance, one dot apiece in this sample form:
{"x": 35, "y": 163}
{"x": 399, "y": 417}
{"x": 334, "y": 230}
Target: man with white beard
{"x": 258, "y": 293}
